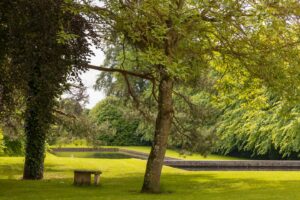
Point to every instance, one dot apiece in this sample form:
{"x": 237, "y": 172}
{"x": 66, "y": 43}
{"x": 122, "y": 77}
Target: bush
{"x": 119, "y": 125}
{"x": 13, "y": 147}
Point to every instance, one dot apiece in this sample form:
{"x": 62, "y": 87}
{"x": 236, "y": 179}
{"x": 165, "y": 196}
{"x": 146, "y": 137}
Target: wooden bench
{"x": 83, "y": 177}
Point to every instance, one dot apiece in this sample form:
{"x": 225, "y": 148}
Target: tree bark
{"x": 162, "y": 131}
{"x": 36, "y": 124}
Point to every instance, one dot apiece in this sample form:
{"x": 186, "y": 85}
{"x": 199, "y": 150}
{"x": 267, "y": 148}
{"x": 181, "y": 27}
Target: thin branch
{"x": 99, "y": 68}
{"x": 135, "y": 99}
{"x": 64, "y": 114}
{"x": 186, "y": 99}
{"x": 180, "y": 128}
{"x": 130, "y": 91}
{"x": 153, "y": 90}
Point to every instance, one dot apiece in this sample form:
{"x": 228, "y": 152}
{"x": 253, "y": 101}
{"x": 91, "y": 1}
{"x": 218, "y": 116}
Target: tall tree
{"x": 47, "y": 44}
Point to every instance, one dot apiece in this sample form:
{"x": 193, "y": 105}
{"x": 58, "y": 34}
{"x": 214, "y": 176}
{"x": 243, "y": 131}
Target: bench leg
{"x": 82, "y": 178}
{"x": 96, "y": 179}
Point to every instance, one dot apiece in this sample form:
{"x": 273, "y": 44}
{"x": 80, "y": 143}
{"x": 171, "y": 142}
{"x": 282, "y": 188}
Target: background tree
{"x": 256, "y": 120}
{"x": 119, "y": 123}
{"x": 72, "y": 123}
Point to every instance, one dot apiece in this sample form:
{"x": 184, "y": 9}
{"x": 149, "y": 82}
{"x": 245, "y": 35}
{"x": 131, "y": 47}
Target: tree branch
{"x": 180, "y": 129}
{"x": 122, "y": 71}
{"x": 186, "y": 99}
{"x": 135, "y": 99}
{"x": 64, "y": 114}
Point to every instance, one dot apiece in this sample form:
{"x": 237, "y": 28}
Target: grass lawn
{"x": 122, "y": 179}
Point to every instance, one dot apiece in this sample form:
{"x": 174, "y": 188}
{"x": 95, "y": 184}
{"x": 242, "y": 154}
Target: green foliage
{"x": 194, "y": 121}
{"x": 264, "y": 131}
{"x": 255, "y": 120}
{"x": 72, "y": 125}
{"x": 70, "y": 142}
{"x": 11, "y": 134}
{"x": 11, "y": 143}
{"x": 1, "y": 142}
{"x": 13, "y": 146}
{"x": 118, "y": 123}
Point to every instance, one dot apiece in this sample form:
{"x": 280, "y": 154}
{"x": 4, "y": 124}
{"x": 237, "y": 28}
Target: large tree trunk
{"x": 36, "y": 125}
{"x": 162, "y": 131}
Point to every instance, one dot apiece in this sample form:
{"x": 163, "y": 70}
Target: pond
{"x": 106, "y": 155}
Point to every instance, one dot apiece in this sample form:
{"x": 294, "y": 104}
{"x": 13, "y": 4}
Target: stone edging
{"x": 236, "y": 164}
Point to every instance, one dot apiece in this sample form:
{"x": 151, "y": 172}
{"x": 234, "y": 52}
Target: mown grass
{"x": 122, "y": 180}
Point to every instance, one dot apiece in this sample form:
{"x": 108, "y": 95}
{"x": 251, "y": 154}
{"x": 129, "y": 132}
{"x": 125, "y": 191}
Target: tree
{"x": 72, "y": 121}
{"x": 119, "y": 123}
{"x": 256, "y": 121}
{"x": 46, "y": 45}
{"x": 175, "y": 40}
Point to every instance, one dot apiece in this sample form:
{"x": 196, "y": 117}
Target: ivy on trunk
{"x": 46, "y": 45}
